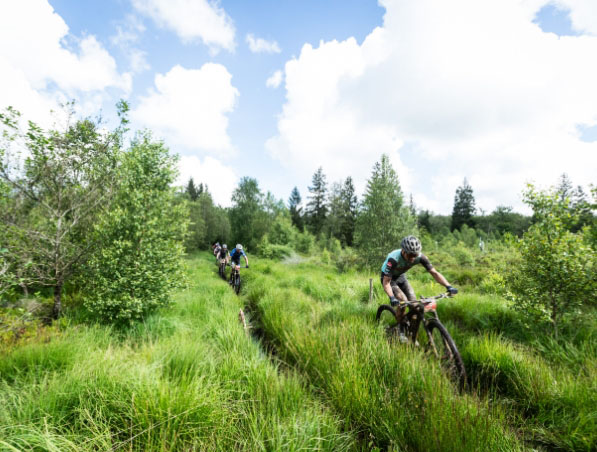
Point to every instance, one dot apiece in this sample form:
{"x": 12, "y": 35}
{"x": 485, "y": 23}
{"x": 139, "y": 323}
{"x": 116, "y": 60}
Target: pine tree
{"x": 317, "y": 207}
{"x": 192, "y": 191}
{"x": 349, "y": 212}
{"x": 383, "y": 219}
{"x": 294, "y": 205}
{"x": 464, "y": 207}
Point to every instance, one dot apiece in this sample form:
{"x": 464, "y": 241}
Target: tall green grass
{"x": 526, "y": 381}
{"x": 396, "y": 397}
{"x": 187, "y": 379}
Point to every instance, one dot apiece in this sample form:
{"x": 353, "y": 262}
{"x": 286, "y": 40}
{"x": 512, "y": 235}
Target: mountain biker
{"x": 216, "y": 248}
{"x": 223, "y": 254}
{"x": 398, "y": 262}
{"x": 235, "y": 260}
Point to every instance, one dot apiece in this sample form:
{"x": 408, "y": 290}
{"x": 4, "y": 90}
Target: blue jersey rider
{"x": 235, "y": 256}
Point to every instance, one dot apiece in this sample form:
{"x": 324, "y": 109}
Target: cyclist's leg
{"x": 405, "y": 288}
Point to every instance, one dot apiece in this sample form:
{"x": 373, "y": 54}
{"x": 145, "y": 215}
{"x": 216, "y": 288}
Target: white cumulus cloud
{"x": 220, "y": 179}
{"x": 275, "y": 80}
{"x": 189, "y": 107}
{"x": 260, "y": 45}
{"x": 192, "y": 20}
{"x": 455, "y": 89}
{"x": 39, "y": 71}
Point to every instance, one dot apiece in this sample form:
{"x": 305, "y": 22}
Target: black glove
{"x": 247, "y": 265}
{"x": 394, "y": 301}
{"x": 452, "y": 290}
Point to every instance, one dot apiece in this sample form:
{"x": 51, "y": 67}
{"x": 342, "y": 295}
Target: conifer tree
{"x": 349, "y": 212}
{"x": 192, "y": 191}
{"x": 294, "y": 205}
{"x": 383, "y": 219}
{"x": 317, "y": 208}
{"x": 464, "y": 207}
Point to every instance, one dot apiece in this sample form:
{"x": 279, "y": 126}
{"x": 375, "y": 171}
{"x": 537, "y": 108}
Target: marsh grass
{"x": 520, "y": 380}
{"x": 188, "y": 378}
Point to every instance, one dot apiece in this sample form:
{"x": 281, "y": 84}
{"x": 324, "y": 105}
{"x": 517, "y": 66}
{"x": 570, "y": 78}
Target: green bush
{"x": 140, "y": 260}
{"x": 304, "y": 242}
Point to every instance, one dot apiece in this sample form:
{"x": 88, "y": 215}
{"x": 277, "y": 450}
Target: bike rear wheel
{"x": 441, "y": 344}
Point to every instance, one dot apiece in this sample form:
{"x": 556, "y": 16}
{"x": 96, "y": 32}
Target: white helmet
{"x": 239, "y": 247}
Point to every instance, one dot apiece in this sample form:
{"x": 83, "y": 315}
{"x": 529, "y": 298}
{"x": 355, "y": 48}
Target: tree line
{"x": 84, "y": 212}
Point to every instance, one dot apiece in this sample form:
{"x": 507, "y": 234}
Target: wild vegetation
{"x": 113, "y": 339}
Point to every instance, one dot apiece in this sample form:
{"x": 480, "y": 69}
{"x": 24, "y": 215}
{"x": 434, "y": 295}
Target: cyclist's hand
{"x": 452, "y": 290}
{"x": 394, "y": 301}
{"x": 247, "y": 266}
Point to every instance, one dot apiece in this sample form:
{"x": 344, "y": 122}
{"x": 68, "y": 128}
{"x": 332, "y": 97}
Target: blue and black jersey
{"x": 236, "y": 255}
{"x": 395, "y": 265}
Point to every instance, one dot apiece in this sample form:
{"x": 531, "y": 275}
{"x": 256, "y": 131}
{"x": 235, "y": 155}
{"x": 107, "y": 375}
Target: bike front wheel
{"x": 442, "y": 346}
{"x": 237, "y": 284}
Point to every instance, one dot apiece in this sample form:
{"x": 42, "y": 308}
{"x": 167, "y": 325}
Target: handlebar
{"x": 426, "y": 300}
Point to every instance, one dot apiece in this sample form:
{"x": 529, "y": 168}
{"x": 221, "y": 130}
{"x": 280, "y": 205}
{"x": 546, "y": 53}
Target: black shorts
{"x": 401, "y": 284}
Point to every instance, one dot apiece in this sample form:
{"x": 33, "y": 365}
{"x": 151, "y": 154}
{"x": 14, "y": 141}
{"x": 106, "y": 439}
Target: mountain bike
{"x": 402, "y": 323}
{"x": 235, "y": 280}
{"x": 222, "y": 269}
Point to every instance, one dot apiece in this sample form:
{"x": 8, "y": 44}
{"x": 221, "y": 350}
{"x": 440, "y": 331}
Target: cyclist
{"x": 235, "y": 260}
{"x": 223, "y": 254}
{"x": 398, "y": 262}
{"x": 215, "y": 248}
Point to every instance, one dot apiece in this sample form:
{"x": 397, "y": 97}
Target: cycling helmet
{"x": 239, "y": 247}
{"x": 225, "y": 246}
{"x": 217, "y": 243}
{"x": 411, "y": 245}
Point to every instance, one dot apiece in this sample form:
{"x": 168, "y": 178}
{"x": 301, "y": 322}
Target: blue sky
{"x": 500, "y": 93}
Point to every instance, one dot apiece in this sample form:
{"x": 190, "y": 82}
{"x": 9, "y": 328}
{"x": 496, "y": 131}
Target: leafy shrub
{"x": 140, "y": 260}
{"x": 304, "y": 242}
{"x": 493, "y": 284}
{"x": 271, "y": 251}
{"x": 347, "y": 260}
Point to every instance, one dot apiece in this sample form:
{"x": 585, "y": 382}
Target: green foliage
{"x": 197, "y": 232}
{"x": 304, "y": 242}
{"x": 248, "y": 219}
{"x": 555, "y": 273}
{"x": 341, "y": 221}
{"x": 296, "y": 211}
{"x": 139, "y": 262}
{"x": 464, "y": 207}
{"x": 347, "y": 260}
{"x": 317, "y": 209}
{"x": 281, "y": 231}
{"x": 269, "y": 250}
{"x": 60, "y": 185}
{"x": 186, "y": 379}
{"x": 384, "y": 219}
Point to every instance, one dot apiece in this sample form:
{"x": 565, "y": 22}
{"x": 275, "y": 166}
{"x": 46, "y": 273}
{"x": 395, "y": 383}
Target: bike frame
{"x": 418, "y": 312}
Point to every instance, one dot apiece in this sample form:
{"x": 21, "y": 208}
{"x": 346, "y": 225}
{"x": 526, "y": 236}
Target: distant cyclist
{"x": 215, "y": 248}
{"x": 235, "y": 260}
{"x": 398, "y": 262}
{"x": 223, "y": 254}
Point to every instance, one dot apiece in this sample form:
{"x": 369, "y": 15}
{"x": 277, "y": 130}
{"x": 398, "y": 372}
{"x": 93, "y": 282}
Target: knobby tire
{"x": 447, "y": 352}
{"x": 237, "y": 284}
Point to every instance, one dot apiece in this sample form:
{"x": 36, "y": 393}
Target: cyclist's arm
{"x": 439, "y": 277}
{"x": 246, "y": 259}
